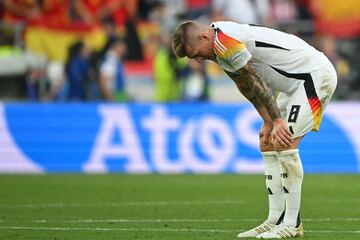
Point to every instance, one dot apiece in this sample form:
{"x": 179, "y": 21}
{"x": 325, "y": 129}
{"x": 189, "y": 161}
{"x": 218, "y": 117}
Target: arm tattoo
{"x": 255, "y": 90}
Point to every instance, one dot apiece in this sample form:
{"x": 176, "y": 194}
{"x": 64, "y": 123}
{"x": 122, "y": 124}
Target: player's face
{"x": 201, "y": 48}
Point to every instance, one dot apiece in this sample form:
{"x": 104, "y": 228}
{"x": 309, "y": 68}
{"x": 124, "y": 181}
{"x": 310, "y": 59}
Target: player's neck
{"x": 213, "y": 32}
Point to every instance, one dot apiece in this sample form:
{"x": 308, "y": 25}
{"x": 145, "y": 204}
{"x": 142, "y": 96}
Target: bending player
{"x": 260, "y": 61}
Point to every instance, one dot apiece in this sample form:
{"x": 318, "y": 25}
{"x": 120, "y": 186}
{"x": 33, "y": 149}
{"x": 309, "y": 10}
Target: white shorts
{"x": 303, "y": 109}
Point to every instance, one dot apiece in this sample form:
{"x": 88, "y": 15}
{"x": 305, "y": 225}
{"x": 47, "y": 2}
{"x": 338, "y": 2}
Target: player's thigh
{"x": 266, "y": 146}
{"x": 296, "y": 110}
{"x": 325, "y": 81}
{"x": 303, "y": 110}
{"x": 282, "y": 101}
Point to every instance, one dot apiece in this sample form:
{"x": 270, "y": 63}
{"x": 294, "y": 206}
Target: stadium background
{"x": 50, "y": 124}
{"x": 69, "y": 107}
{"x": 160, "y": 114}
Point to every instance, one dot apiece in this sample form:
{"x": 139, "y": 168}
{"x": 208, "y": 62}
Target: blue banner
{"x": 155, "y": 138}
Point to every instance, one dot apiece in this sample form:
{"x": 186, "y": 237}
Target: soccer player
{"x": 262, "y": 61}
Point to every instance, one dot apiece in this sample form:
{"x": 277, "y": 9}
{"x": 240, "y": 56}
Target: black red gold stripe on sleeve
{"x": 225, "y": 46}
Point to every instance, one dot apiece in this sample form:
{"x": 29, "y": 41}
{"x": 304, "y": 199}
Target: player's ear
{"x": 204, "y": 36}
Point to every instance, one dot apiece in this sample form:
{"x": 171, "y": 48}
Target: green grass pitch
{"x": 170, "y": 207}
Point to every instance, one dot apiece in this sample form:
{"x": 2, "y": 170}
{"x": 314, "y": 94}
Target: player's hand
{"x": 281, "y": 132}
{"x": 265, "y": 132}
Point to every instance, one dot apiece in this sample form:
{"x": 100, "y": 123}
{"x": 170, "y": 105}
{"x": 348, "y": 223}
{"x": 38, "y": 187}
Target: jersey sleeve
{"x": 231, "y": 53}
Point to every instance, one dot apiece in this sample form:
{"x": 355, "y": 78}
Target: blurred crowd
{"x": 139, "y": 31}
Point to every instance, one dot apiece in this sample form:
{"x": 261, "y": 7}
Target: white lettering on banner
{"x": 244, "y": 124}
{"x": 219, "y": 154}
{"x": 159, "y": 123}
{"x": 116, "y": 119}
{"x": 12, "y": 158}
{"x": 247, "y": 134}
{"x": 214, "y": 137}
{"x": 185, "y": 146}
{"x": 213, "y": 126}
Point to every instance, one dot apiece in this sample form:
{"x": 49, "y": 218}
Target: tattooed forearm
{"x": 245, "y": 89}
{"x": 256, "y": 90}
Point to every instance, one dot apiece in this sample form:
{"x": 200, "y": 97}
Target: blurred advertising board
{"x": 161, "y": 138}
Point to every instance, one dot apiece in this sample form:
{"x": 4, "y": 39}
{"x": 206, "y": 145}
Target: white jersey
{"x": 281, "y": 59}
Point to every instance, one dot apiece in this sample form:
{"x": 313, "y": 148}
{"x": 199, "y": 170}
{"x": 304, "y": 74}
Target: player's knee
{"x": 279, "y": 147}
{"x": 266, "y": 146}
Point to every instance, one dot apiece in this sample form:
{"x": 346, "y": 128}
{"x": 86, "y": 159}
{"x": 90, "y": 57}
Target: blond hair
{"x": 180, "y": 37}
